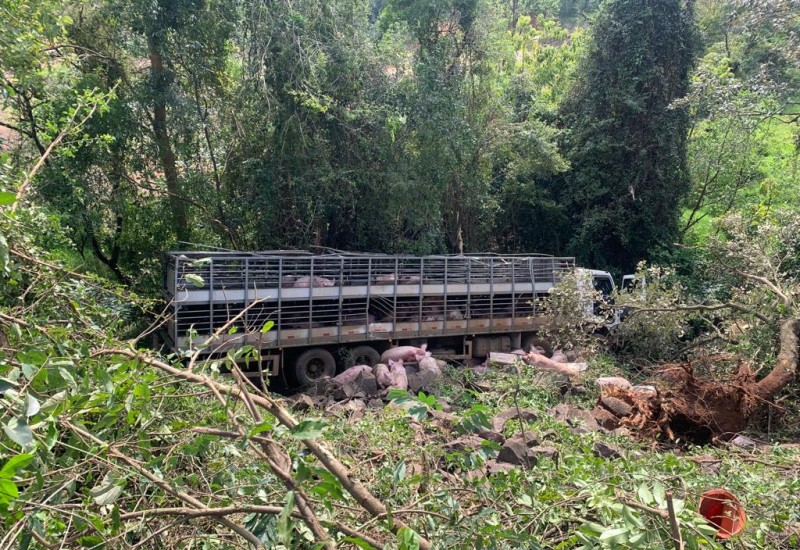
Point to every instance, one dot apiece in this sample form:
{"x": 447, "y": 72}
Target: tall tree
{"x": 626, "y": 137}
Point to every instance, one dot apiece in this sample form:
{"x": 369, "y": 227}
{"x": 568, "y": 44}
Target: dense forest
{"x": 402, "y": 126}
{"x": 653, "y": 136}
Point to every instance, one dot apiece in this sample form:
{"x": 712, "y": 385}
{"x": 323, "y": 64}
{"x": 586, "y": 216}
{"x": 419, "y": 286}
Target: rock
{"x": 495, "y": 467}
{"x": 499, "y": 421}
{"x": 356, "y": 408}
{"x": 580, "y": 389}
{"x": 616, "y": 381}
{"x": 429, "y": 375}
{"x": 463, "y": 443}
{"x": 559, "y": 357}
{"x": 480, "y": 369}
{"x": 441, "y": 364}
{"x": 574, "y": 417}
{"x": 645, "y": 392}
{"x": 606, "y": 451}
{"x": 524, "y": 451}
{"x": 301, "y": 402}
{"x": 443, "y": 416}
{"x": 617, "y": 406}
{"x": 491, "y": 435}
{"x": 375, "y": 404}
{"x": 367, "y": 384}
{"x": 341, "y": 392}
{"x": 350, "y": 375}
{"x": 572, "y": 356}
{"x": 414, "y": 382}
{"x": 744, "y": 442}
{"x": 605, "y": 418}
{"x": 519, "y": 353}
{"x": 515, "y": 451}
{"x": 321, "y": 386}
{"x": 544, "y": 452}
{"x": 446, "y": 407}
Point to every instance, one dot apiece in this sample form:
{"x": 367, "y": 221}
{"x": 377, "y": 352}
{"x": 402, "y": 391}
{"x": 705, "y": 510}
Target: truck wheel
{"x": 362, "y": 355}
{"x": 313, "y": 365}
{"x": 535, "y": 341}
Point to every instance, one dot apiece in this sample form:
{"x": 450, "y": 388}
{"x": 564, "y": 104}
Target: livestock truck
{"x": 311, "y": 314}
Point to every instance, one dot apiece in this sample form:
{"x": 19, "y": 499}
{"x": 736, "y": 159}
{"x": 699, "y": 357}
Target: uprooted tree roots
{"x": 696, "y": 410}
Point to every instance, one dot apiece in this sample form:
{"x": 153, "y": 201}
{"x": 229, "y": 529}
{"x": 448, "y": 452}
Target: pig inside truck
{"x": 311, "y": 315}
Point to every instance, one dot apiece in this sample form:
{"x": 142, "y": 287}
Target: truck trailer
{"x": 310, "y": 314}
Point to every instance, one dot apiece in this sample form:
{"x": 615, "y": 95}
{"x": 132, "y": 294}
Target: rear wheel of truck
{"x": 313, "y": 365}
{"x": 362, "y": 355}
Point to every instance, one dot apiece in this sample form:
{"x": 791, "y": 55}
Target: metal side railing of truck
{"x": 340, "y": 300}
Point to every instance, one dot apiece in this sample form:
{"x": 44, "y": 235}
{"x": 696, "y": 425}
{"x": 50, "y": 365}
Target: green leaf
{"x": 194, "y": 279}
{"x": 265, "y": 426}
{"x": 659, "y": 493}
{"x": 399, "y": 472}
{"x": 267, "y": 326}
{"x": 14, "y": 464}
{"x": 614, "y": 535}
{"x": 108, "y": 490}
{"x": 8, "y": 491}
{"x": 91, "y": 541}
{"x": 7, "y": 198}
{"x": 645, "y": 496}
{"x": 409, "y": 540}
{"x": 359, "y": 542}
{"x": 32, "y": 405}
{"x": 308, "y": 429}
{"x": 6, "y": 384}
{"x": 18, "y": 431}
{"x": 418, "y": 412}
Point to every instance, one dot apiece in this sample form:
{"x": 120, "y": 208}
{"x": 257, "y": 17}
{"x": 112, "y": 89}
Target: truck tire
{"x": 532, "y": 340}
{"x": 362, "y": 355}
{"x": 312, "y": 365}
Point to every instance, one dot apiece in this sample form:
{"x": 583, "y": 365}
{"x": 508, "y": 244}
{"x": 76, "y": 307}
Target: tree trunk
{"x": 785, "y": 369}
{"x": 160, "y": 88}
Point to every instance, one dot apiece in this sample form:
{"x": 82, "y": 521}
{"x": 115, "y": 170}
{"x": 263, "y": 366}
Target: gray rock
{"x": 301, "y": 402}
{"x": 491, "y": 435}
{"x": 499, "y": 421}
{"x": 575, "y": 417}
{"x": 443, "y": 416}
{"x": 544, "y": 452}
{"x": 495, "y": 467}
{"x": 616, "y": 381}
{"x": 367, "y": 384}
{"x": 375, "y": 404}
{"x": 524, "y": 451}
{"x": 606, "y": 451}
{"x": 515, "y": 451}
{"x": 744, "y": 442}
{"x": 617, "y": 406}
{"x": 463, "y": 443}
{"x": 605, "y": 418}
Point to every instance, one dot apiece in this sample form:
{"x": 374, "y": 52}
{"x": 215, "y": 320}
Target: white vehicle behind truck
{"x": 330, "y": 311}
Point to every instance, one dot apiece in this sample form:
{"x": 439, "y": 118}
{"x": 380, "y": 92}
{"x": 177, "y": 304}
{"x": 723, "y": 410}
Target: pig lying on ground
{"x": 383, "y": 375}
{"x": 350, "y": 375}
{"x": 403, "y": 353}
{"x": 399, "y": 376}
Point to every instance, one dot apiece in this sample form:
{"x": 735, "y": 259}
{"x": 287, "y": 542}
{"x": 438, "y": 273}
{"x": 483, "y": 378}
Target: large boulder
{"x": 499, "y": 421}
{"x": 575, "y": 417}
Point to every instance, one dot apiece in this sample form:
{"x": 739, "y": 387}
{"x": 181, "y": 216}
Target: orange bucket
{"x": 724, "y": 511}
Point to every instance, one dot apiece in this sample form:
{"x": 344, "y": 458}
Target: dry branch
{"x": 360, "y": 493}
